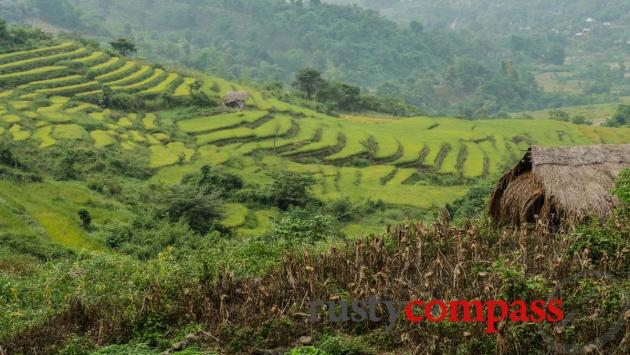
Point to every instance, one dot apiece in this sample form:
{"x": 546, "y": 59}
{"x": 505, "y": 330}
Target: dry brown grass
{"x": 412, "y": 261}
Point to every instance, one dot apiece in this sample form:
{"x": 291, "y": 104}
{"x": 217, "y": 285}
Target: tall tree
{"x": 309, "y": 81}
{"x": 123, "y": 46}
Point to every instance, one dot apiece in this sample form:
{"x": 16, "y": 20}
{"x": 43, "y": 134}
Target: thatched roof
{"x": 560, "y": 185}
{"x": 235, "y": 96}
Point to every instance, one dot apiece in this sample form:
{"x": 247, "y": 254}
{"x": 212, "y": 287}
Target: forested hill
{"x": 438, "y": 70}
{"x": 269, "y": 40}
{"x": 502, "y": 17}
{"x": 588, "y": 30}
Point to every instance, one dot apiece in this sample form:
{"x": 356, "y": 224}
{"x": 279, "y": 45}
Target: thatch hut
{"x": 236, "y": 99}
{"x": 560, "y": 185}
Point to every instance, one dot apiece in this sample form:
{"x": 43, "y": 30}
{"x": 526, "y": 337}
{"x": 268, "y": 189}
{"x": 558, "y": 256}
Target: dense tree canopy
{"x": 445, "y": 59}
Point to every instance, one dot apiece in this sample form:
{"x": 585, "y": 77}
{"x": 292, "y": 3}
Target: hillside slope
{"x": 418, "y": 162}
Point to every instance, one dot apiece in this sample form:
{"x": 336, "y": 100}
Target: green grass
{"x": 54, "y": 207}
{"x": 262, "y": 227}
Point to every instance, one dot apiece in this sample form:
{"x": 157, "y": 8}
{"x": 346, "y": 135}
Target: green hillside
{"x": 50, "y": 98}
{"x": 140, "y": 214}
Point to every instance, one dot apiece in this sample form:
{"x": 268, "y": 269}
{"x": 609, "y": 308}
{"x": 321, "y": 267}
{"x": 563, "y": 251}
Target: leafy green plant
{"x": 290, "y": 189}
{"x": 622, "y": 189}
{"x": 307, "y": 350}
{"x": 304, "y": 226}
{"x": 199, "y": 207}
{"x": 344, "y": 346}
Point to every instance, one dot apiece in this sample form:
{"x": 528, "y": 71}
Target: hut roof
{"x": 560, "y": 185}
{"x": 235, "y": 96}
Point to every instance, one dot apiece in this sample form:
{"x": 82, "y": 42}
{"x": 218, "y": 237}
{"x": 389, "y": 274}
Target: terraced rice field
{"x": 420, "y": 162}
{"x": 45, "y": 71}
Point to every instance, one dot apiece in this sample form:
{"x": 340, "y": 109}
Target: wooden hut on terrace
{"x": 236, "y": 99}
{"x": 560, "y": 185}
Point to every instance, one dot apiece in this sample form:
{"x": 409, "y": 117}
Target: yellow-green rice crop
{"x": 163, "y": 86}
{"x": 69, "y": 131}
{"x": 149, "y": 121}
{"x": 102, "y": 138}
{"x": 43, "y": 136}
{"x": 169, "y": 154}
{"x": 209, "y": 123}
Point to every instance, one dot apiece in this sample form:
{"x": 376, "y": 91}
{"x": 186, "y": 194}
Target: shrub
{"x": 215, "y": 178}
{"x": 305, "y": 225}
{"x": 150, "y": 234}
{"x": 597, "y": 241}
{"x": 621, "y": 117}
{"x": 124, "y": 101}
{"x": 7, "y": 157}
{"x": 307, "y": 350}
{"x": 579, "y": 119}
{"x": 622, "y": 190}
{"x": 344, "y": 346}
{"x": 199, "y": 207}
{"x": 473, "y": 204}
{"x": 86, "y": 219}
{"x": 342, "y": 210}
{"x": 76, "y": 345}
{"x": 290, "y": 189}
{"x": 33, "y": 245}
{"x": 201, "y": 99}
{"x": 558, "y": 115}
